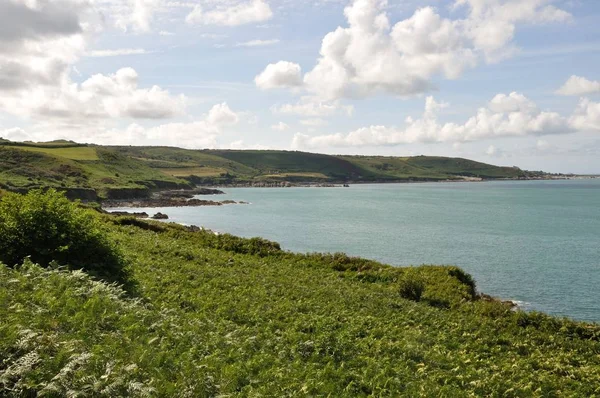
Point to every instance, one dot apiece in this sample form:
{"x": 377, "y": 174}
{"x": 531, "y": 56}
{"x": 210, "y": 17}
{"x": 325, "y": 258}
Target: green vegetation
{"x": 433, "y": 168}
{"x": 73, "y": 153}
{"x": 224, "y": 316}
{"x": 46, "y": 227}
{"x": 84, "y": 172}
{"x": 89, "y": 171}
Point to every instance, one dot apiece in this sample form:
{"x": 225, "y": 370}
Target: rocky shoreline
{"x": 345, "y": 184}
{"x": 170, "y": 198}
{"x": 172, "y": 202}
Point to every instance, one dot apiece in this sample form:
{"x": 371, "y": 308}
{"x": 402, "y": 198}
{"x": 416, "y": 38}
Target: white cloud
{"x": 186, "y": 135}
{"x": 577, "y": 85}
{"x": 491, "y": 24}
{"x": 38, "y": 20}
{"x": 98, "y": 97}
{"x": 281, "y": 126}
{"x": 586, "y": 116}
{"x": 258, "y": 43}
{"x": 222, "y": 115}
{"x": 310, "y": 107}
{"x": 40, "y": 40}
{"x": 136, "y": 14}
{"x": 203, "y": 133}
{"x": 513, "y": 102}
{"x": 371, "y": 55}
{"x": 510, "y": 115}
{"x": 198, "y": 134}
{"x": 166, "y": 33}
{"x": 231, "y": 15}
{"x": 280, "y": 75}
{"x": 118, "y": 52}
{"x": 15, "y": 134}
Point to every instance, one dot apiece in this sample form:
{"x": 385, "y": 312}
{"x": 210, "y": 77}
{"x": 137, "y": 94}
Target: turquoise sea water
{"x": 536, "y": 242}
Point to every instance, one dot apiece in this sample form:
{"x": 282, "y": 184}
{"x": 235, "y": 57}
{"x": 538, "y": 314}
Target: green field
{"x": 209, "y": 315}
{"x": 194, "y": 171}
{"x": 121, "y": 172}
{"x": 75, "y": 153}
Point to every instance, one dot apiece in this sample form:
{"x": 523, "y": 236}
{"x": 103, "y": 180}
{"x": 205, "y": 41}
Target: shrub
{"x": 411, "y": 286}
{"x": 47, "y": 228}
{"x": 465, "y": 279}
{"x": 254, "y": 246}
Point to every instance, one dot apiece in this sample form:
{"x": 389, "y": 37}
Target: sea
{"x": 533, "y": 242}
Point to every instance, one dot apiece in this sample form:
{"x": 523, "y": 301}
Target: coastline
{"x": 341, "y": 184}
{"x": 214, "y": 219}
{"x": 188, "y": 197}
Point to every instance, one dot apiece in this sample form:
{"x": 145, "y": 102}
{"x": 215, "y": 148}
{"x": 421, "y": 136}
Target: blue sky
{"x": 511, "y": 82}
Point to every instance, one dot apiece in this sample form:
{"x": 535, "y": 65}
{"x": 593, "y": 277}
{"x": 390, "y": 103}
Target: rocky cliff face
{"x": 126, "y": 193}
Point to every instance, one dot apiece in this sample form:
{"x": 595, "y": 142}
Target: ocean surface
{"x": 534, "y": 242}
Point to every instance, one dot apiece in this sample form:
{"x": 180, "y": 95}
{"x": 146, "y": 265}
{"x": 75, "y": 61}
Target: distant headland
{"x": 96, "y": 173}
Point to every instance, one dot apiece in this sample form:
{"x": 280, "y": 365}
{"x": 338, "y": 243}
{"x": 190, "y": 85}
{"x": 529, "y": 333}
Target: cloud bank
{"x": 373, "y": 56}
{"x": 505, "y": 115}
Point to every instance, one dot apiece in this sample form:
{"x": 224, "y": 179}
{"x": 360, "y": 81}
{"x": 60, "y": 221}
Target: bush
{"x": 47, "y": 228}
{"x": 254, "y": 246}
{"x": 411, "y": 286}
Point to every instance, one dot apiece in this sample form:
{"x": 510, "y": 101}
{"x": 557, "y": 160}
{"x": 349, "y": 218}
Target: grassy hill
{"x": 114, "y": 172}
{"x": 211, "y": 315}
{"x": 86, "y": 172}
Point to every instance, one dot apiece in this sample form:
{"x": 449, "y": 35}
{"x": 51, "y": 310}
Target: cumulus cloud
{"x": 222, "y": 115}
{"x": 100, "y": 96}
{"x": 511, "y": 115}
{"x": 202, "y": 133}
{"x": 586, "y": 116}
{"x": 231, "y": 15}
{"x": 491, "y": 24}
{"x": 23, "y": 20}
{"x": 136, "y": 15}
{"x": 280, "y": 75}
{"x": 15, "y": 134}
{"x": 371, "y": 55}
{"x": 40, "y": 40}
{"x": 577, "y": 85}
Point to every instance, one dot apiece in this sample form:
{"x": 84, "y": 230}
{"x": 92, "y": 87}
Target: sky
{"x": 507, "y": 82}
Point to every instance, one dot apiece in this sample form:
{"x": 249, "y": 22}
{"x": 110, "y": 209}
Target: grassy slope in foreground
{"x": 224, "y": 316}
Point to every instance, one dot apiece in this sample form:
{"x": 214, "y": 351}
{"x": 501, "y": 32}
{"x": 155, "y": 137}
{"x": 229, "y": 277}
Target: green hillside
{"x": 431, "y": 167}
{"x": 91, "y": 171}
{"x": 222, "y": 166}
{"x": 87, "y": 172}
{"x": 207, "y": 315}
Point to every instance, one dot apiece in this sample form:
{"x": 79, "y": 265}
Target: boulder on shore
{"x": 160, "y": 216}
